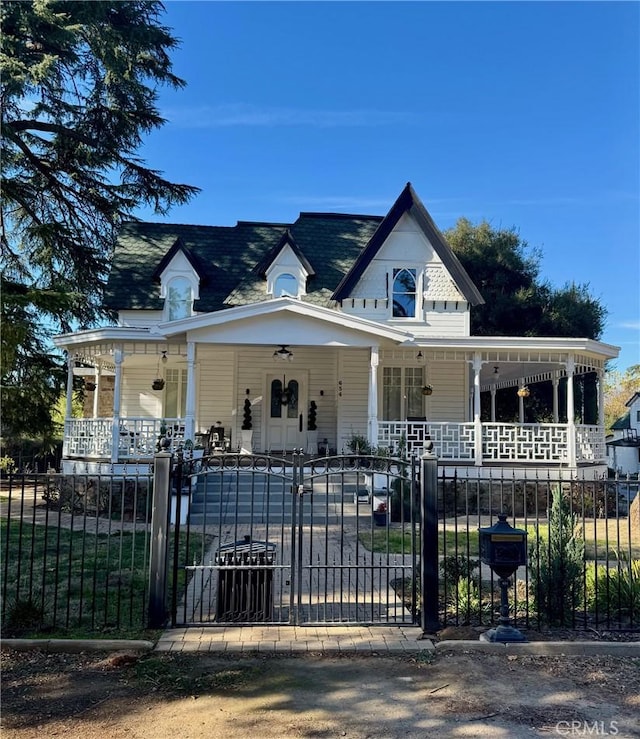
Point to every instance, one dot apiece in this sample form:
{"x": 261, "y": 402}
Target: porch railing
{"x": 136, "y": 438}
{"x": 501, "y": 442}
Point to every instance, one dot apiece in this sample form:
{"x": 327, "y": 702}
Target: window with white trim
{"x": 179, "y": 298}
{"x": 175, "y": 393}
{"x": 402, "y": 393}
{"x": 286, "y": 285}
{"x": 405, "y": 292}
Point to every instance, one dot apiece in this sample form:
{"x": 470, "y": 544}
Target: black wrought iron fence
{"x": 583, "y": 545}
{"x": 75, "y": 553}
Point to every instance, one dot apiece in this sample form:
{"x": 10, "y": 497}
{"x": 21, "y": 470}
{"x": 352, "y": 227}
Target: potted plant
{"x": 312, "y": 428}
{"x": 380, "y": 514}
{"x": 158, "y": 384}
{"x": 427, "y": 389}
{"x": 246, "y": 432}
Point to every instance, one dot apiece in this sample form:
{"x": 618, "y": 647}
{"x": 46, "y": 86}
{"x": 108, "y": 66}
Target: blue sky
{"x": 523, "y": 114}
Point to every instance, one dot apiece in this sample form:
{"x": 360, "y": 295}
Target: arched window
{"x": 179, "y": 298}
{"x": 404, "y": 293}
{"x": 285, "y": 285}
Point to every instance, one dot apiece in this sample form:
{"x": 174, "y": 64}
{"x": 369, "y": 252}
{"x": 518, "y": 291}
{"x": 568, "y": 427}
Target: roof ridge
{"x": 320, "y": 214}
{"x": 263, "y": 223}
{"x": 171, "y": 224}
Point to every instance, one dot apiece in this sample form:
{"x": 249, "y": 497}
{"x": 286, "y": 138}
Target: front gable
{"x": 402, "y": 236}
{"x": 407, "y": 246}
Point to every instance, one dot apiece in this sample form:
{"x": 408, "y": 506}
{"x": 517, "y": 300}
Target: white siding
{"x": 214, "y": 393}
{"x": 443, "y": 310}
{"x": 137, "y": 397}
{"x": 353, "y": 373}
{"x": 449, "y": 401}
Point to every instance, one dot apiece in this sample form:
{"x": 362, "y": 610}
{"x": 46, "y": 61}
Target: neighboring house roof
{"x": 632, "y": 400}
{"x": 623, "y": 423}
{"x": 409, "y": 202}
{"x": 335, "y": 249}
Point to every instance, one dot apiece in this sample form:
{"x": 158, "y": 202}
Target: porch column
{"x": 555, "y": 382}
{"x": 68, "y": 412}
{"x": 117, "y": 390}
{"x": 571, "y": 421}
{"x": 373, "y": 396}
{"x": 190, "y": 403}
{"x": 600, "y": 374}
{"x": 477, "y": 423}
{"x": 493, "y": 404}
{"x": 96, "y": 392}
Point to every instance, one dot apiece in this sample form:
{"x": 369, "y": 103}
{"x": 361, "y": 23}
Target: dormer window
{"x": 404, "y": 293}
{"x": 179, "y": 298}
{"x": 285, "y": 285}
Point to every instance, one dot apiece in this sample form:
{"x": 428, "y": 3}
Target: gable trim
{"x": 286, "y": 240}
{"x": 177, "y": 246}
{"x": 409, "y": 202}
{"x": 282, "y": 305}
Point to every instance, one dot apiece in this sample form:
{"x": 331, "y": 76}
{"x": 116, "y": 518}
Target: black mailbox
{"x": 502, "y": 547}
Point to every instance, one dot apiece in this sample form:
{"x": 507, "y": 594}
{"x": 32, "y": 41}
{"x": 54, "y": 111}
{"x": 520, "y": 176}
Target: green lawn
{"x": 395, "y": 541}
{"x": 62, "y": 583}
{"x": 604, "y": 539}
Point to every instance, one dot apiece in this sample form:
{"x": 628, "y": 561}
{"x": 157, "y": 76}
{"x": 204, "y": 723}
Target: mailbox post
{"x": 504, "y": 549}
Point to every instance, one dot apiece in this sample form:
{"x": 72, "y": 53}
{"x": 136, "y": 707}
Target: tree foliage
{"x": 79, "y": 93}
{"x": 619, "y": 389}
{"x": 507, "y": 273}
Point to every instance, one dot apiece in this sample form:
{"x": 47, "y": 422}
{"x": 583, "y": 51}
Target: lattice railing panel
{"x": 524, "y": 442}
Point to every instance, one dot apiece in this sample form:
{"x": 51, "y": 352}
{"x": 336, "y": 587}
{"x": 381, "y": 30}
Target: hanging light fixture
{"x": 420, "y": 357}
{"x": 523, "y": 390}
{"x": 164, "y": 357}
{"x": 283, "y": 354}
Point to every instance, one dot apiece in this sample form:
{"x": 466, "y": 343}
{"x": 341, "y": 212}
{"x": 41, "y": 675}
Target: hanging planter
{"x": 158, "y": 384}
{"x": 524, "y": 392}
{"x": 90, "y": 386}
{"x": 427, "y": 390}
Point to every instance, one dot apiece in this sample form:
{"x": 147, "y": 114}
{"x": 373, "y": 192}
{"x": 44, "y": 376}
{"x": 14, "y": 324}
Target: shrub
{"x": 7, "y": 466}
{"x": 312, "y": 417}
{"x": 614, "y": 591}
{"x": 246, "y": 416}
{"x": 456, "y": 567}
{"x": 557, "y": 564}
{"x": 24, "y": 616}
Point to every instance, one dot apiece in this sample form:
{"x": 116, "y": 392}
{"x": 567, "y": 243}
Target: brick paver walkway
{"x": 290, "y": 639}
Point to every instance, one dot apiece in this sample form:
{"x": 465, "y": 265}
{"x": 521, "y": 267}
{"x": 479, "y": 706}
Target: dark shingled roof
{"x": 231, "y": 260}
{"x": 227, "y": 257}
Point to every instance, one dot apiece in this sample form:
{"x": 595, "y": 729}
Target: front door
{"x": 286, "y": 417}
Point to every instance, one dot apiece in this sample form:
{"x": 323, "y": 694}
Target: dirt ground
{"x": 188, "y": 696}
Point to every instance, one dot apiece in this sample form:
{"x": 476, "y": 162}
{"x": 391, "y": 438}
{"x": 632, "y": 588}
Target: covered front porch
{"x": 482, "y": 402}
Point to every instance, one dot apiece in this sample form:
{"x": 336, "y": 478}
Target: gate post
{"x": 429, "y": 612}
{"x": 159, "y": 549}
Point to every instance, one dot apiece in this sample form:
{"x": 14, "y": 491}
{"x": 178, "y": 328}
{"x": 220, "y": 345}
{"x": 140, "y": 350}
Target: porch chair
{"x": 218, "y": 441}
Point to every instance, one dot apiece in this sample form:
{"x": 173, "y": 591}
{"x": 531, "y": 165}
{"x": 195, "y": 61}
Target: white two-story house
{"x": 366, "y": 316}
{"x": 623, "y": 446}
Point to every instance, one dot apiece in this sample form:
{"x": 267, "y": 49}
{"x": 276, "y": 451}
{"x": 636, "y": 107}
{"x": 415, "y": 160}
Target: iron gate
{"x": 261, "y": 539}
